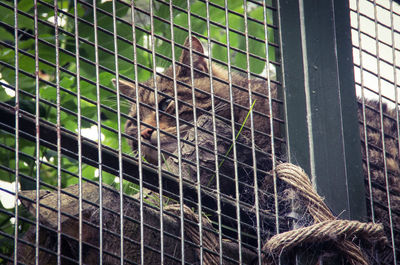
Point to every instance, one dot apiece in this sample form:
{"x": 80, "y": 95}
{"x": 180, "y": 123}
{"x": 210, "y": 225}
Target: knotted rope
{"x": 325, "y": 227}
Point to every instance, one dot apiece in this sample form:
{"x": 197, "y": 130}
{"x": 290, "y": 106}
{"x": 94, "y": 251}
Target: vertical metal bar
{"x": 292, "y": 67}
{"x": 342, "y": 183}
{"x": 307, "y": 93}
{"x": 330, "y": 114}
{"x": 139, "y": 139}
{"x": 246, "y": 35}
{"x": 293, "y": 84}
{"x": 16, "y": 224}
{"x": 210, "y": 70}
{"x": 78, "y": 90}
{"x": 396, "y": 90}
{"x": 159, "y": 168}
{"x": 389, "y": 205}
{"x": 231, "y": 99}
{"x": 58, "y": 125}
{"x": 353, "y": 170}
{"x": 271, "y": 124}
{"x": 178, "y": 134}
{"x": 119, "y": 134}
{"x": 99, "y": 153}
{"x": 364, "y": 115}
{"x": 37, "y": 99}
{"x": 397, "y": 105}
{"x": 196, "y": 140}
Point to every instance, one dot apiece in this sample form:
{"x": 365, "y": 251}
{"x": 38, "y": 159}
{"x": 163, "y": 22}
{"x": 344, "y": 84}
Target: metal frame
{"x": 321, "y": 126}
{"x": 321, "y": 111}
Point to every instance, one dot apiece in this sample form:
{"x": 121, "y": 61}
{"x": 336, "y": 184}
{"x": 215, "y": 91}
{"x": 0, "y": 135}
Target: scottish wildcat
{"x": 166, "y": 104}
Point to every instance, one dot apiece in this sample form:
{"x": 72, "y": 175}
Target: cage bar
{"x": 315, "y": 82}
{"x": 16, "y": 120}
{"x": 199, "y": 201}
{"x": 65, "y": 56}
{"x": 99, "y": 150}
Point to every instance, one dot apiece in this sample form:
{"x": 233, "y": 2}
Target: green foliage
{"x": 69, "y": 84}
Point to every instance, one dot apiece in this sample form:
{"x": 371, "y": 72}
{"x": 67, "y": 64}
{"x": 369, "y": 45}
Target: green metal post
{"x": 321, "y": 110}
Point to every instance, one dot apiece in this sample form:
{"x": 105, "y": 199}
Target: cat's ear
{"x": 126, "y": 88}
{"x": 199, "y": 61}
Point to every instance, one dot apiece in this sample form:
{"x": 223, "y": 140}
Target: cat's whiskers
{"x": 219, "y": 107}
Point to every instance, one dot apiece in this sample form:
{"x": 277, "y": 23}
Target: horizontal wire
{"x": 110, "y": 52}
{"x": 207, "y": 209}
{"x": 105, "y": 107}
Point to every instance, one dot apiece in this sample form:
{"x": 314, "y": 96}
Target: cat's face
{"x": 166, "y": 102}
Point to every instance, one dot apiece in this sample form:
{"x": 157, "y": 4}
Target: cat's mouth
{"x": 167, "y": 143}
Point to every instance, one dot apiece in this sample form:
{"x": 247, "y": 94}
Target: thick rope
{"x": 325, "y": 227}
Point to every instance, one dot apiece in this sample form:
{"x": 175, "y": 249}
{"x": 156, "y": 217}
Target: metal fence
{"x": 148, "y": 132}
{"x": 376, "y": 53}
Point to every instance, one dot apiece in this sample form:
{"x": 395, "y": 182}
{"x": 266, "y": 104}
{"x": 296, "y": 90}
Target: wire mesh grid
{"x": 376, "y": 51}
{"x": 196, "y": 87}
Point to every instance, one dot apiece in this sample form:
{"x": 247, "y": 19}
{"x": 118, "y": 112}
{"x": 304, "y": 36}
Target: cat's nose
{"x": 146, "y": 133}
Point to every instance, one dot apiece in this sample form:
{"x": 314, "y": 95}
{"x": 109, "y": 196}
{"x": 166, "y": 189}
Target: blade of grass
{"x": 237, "y": 136}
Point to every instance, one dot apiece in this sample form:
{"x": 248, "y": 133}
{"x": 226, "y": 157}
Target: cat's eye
{"x": 164, "y": 104}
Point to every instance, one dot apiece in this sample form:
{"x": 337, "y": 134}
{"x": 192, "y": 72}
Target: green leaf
{"x": 88, "y": 172}
{"x": 5, "y": 35}
{"x": 25, "y": 5}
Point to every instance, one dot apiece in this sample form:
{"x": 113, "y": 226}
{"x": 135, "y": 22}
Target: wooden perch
{"x": 170, "y": 184}
{"x": 111, "y": 230}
